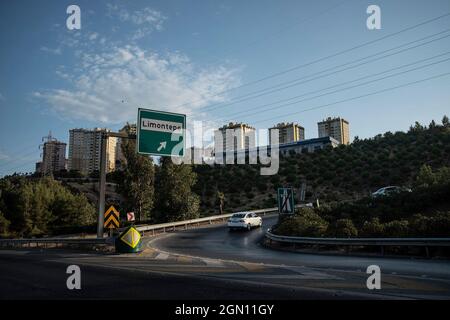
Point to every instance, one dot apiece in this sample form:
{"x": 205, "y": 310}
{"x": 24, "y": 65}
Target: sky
{"x": 255, "y": 61}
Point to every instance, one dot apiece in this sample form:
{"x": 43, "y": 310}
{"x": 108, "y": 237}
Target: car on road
{"x": 386, "y": 191}
{"x": 244, "y": 220}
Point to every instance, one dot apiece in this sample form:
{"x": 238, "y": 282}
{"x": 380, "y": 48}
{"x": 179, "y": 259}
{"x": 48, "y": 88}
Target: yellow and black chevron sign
{"x": 111, "y": 218}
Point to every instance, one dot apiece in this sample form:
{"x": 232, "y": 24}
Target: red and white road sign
{"x": 130, "y": 216}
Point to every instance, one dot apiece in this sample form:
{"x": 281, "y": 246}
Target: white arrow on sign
{"x": 162, "y": 145}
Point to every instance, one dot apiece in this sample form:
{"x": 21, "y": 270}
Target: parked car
{"x": 386, "y": 191}
{"x": 244, "y": 220}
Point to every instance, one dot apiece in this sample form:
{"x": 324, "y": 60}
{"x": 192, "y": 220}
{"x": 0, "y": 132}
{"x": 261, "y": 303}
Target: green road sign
{"x": 160, "y": 133}
{"x": 286, "y": 200}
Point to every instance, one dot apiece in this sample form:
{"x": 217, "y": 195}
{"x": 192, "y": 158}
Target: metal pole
{"x": 102, "y": 186}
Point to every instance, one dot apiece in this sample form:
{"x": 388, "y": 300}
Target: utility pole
{"x": 102, "y": 181}
{"x": 102, "y": 185}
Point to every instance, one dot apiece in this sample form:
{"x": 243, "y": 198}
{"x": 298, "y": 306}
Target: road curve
{"x": 216, "y": 242}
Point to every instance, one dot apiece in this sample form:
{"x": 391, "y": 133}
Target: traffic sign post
{"x": 160, "y": 133}
{"x": 285, "y": 198}
{"x": 129, "y": 241}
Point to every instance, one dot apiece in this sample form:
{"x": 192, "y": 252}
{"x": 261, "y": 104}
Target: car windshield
{"x": 239, "y": 215}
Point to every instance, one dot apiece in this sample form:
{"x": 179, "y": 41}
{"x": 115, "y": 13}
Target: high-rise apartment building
{"x": 234, "y": 137}
{"x": 53, "y": 156}
{"x": 288, "y": 132}
{"x": 85, "y": 150}
{"x": 336, "y": 128}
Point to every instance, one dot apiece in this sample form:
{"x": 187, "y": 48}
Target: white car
{"x": 386, "y": 191}
{"x": 245, "y": 220}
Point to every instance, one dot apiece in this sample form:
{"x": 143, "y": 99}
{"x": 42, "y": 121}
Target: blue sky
{"x": 177, "y": 55}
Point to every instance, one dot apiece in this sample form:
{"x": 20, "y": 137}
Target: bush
{"x": 343, "y": 228}
{"x": 437, "y": 225}
{"x": 396, "y": 228}
{"x": 306, "y": 223}
{"x": 372, "y": 228}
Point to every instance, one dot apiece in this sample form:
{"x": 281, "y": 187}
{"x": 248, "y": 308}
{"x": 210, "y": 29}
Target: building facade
{"x": 336, "y": 128}
{"x": 53, "y": 156}
{"x": 308, "y": 146}
{"x": 233, "y": 137}
{"x": 85, "y": 150}
{"x": 288, "y": 132}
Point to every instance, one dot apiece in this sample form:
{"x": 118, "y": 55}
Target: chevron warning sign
{"x": 111, "y": 218}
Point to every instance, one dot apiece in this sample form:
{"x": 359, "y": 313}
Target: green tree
{"x": 174, "y": 197}
{"x": 137, "y": 185}
{"x": 4, "y": 225}
{"x": 426, "y": 177}
{"x": 445, "y": 121}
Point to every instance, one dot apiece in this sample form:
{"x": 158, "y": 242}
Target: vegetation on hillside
{"x": 343, "y": 173}
{"x": 36, "y": 207}
{"x": 424, "y": 212}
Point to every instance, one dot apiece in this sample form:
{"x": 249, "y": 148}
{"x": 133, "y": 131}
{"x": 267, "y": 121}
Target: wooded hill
{"x": 343, "y": 173}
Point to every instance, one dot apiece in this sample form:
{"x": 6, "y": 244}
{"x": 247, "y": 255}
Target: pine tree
{"x": 174, "y": 197}
{"x": 445, "y": 121}
{"x": 137, "y": 185}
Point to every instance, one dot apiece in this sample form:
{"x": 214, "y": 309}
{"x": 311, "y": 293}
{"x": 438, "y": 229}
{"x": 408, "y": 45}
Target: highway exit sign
{"x": 160, "y": 133}
{"x": 285, "y": 198}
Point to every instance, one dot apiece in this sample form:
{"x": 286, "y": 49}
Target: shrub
{"x": 343, "y": 228}
{"x": 396, "y": 228}
{"x": 437, "y": 225}
{"x": 306, "y": 223}
{"x": 372, "y": 228}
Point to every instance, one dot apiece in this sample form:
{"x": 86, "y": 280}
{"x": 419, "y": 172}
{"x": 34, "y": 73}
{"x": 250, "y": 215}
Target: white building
{"x": 234, "y": 137}
{"x": 336, "y": 128}
{"x": 85, "y": 150}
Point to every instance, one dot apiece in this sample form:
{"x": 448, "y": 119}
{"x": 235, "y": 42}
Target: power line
{"x": 16, "y": 160}
{"x": 347, "y": 82}
{"x": 321, "y": 59}
{"x": 280, "y": 30}
{"x": 357, "y": 97}
{"x": 297, "y": 81}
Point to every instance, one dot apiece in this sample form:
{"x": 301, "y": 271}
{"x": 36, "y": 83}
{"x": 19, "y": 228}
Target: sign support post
{"x": 102, "y": 180}
{"x": 102, "y": 186}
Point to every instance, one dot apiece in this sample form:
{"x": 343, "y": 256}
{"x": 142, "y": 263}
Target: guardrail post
{"x": 382, "y": 250}
{"x": 427, "y": 251}
{"x": 185, "y": 226}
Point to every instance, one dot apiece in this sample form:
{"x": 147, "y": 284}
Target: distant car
{"x": 386, "y": 191}
{"x": 244, "y": 220}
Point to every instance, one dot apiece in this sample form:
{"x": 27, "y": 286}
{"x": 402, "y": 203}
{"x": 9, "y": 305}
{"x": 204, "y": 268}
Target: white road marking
{"x": 213, "y": 262}
{"x": 162, "y": 256}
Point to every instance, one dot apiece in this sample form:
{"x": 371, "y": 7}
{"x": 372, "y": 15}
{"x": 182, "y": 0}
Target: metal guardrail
{"x": 186, "y": 223}
{"x": 163, "y": 227}
{"x": 44, "y": 242}
{"x": 426, "y": 242}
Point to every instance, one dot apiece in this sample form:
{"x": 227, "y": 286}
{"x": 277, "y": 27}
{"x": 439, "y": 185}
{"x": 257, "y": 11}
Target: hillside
{"x": 344, "y": 173}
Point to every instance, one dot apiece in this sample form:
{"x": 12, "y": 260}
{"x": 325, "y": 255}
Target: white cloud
{"x": 145, "y": 20}
{"x": 93, "y": 36}
{"x": 111, "y": 86}
{"x": 56, "y": 51}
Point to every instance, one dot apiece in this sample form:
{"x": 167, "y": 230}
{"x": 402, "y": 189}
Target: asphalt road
{"x": 405, "y": 277}
{"x": 212, "y": 263}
